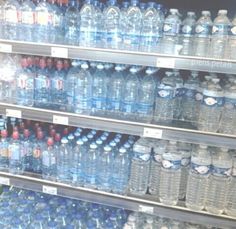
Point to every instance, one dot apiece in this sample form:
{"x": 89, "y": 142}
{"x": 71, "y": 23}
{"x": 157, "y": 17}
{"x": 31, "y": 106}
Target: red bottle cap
{"x": 4, "y": 133}
{"x": 26, "y": 133}
{"x": 50, "y": 142}
{"x": 15, "y": 135}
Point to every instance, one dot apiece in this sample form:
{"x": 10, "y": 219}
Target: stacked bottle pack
{"x": 40, "y": 211}
{"x": 131, "y": 25}
{"x": 206, "y": 102}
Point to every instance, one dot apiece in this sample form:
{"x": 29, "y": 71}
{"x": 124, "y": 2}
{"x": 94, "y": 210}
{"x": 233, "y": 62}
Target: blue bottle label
{"x": 145, "y": 109}
{"x": 187, "y": 30}
{"x": 83, "y": 103}
{"x": 213, "y": 101}
{"x": 220, "y": 29}
{"x": 114, "y": 105}
{"x": 98, "y": 103}
{"x": 14, "y": 152}
{"x": 230, "y": 104}
{"x": 128, "y": 107}
{"x": 233, "y": 30}
{"x": 132, "y": 39}
{"x": 200, "y": 169}
{"x": 142, "y": 156}
{"x": 171, "y": 29}
{"x": 222, "y": 172}
{"x": 203, "y": 30}
{"x": 171, "y": 164}
{"x": 57, "y": 84}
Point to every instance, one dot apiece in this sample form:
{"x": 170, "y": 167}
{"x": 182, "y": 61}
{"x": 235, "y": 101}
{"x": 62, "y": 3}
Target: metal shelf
{"x": 120, "y": 126}
{"x": 120, "y": 56}
{"x": 140, "y": 204}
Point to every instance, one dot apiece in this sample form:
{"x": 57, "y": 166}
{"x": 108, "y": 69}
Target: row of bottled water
{"x": 40, "y": 211}
{"x": 204, "y": 177}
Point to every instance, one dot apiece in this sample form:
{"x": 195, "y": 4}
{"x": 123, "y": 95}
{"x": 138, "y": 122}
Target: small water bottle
{"x": 27, "y": 150}
{"x": 4, "y": 155}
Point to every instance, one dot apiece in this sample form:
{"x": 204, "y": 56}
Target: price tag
{"x": 5, "y": 48}
{"x": 61, "y": 120}
{"x": 146, "y": 209}
{"x": 4, "y": 181}
{"x": 13, "y": 113}
{"x": 152, "y": 133}
{"x": 49, "y": 190}
{"x": 163, "y": 62}
{"x": 59, "y": 52}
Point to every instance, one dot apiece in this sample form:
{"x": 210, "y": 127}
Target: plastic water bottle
{"x": 165, "y": 99}
{"x": 90, "y": 166}
{"x": 231, "y": 49}
{"x": 219, "y": 180}
{"x": 121, "y": 171}
{"x": 49, "y": 163}
{"x": 4, "y": 156}
{"x": 146, "y": 96}
{"x": 27, "y": 150}
{"x": 202, "y": 36}
{"x": 99, "y": 91}
{"x": 130, "y": 94}
{"x": 11, "y": 19}
{"x": 87, "y": 36}
{"x": 211, "y": 106}
{"x": 155, "y": 169}
{"x": 139, "y": 171}
{"x": 220, "y": 33}
{"x": 200, "y": 169}
{"x": 25, "y": 85}
{"x": 72, "y": 23}
{"x": 58, "y": 88}
{"x": 122, "y": 20}
{"x": 171, "y": 31}
{"x": 83, "y": 90}
{"x": 133, "y": 26}
{"x": 230, "y": 207}
{"x": 37, "y": 153}
{"x": 42, "y": 86}
{"x": 27, "y": 21}
{"x": 63, "y": 161}
{"x": 111, "y": 25}
{"x": 170, "y": 175}
{"x": 15, "y": 156}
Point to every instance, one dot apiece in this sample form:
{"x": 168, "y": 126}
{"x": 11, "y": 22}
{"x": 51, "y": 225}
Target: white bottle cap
{"x": 206, "y": 13}
{"x": 174, "y": 11}
{"x": 191, "y": 13}
{"x": 224, "y": 12}
{"x": 202, "y": 146}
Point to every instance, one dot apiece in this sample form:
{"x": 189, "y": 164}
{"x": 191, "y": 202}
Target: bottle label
{"x": 11, "y": 16}
{"x": 142, "y": 156}
{"x": 86, "y": 36}
{"x": 200, "y": 169}
{"x": 145, "y": 109}
{"x": 187, "y": 30}
{"x": 220, "y": 29}
{"x": 98, "y": 103}
{"x": 114, "y": 105}
{"x": 128, "y": 107}
{"x": 4, "y": 152}
{"x": 14, "y": 152}
{"x": 21, "y": 82}
{"x": 43, "y": 18}
{"x": 37, "y": 152}
{"x": 224, "y": 172}
{"x": 213, "y": 101}
{"x": 233, "y": 31}
{"x": 230, "y": 104}
{"x": 46, "y": 161}
{"x": 56, "y": 20}
{"x": 82, "y": 103}
{"x": 171, "y": 164}
{"x": 171, "y": 29}
{"x": 132, "y": 39}
{"x": 28, "y": 17}
{"x": 57, "y": 84}
{"x": 203, "y": 30}
{"x": 53, "y": 160}
{"x": 165, "y": 93}
{"x": 42, "y": 82}
{"x": 113, "y": 37}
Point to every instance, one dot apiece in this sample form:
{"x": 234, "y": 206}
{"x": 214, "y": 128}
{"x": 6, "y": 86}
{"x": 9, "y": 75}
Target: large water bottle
{"x": 11, "y": 19}
{"x": 90, "y": 166}
{"x": 58, "y": 88}
{"x": 202, "y": 36}
{"x": 72, "y": 23}
{"x": 111, "y": 25}
{"x": 27, "y": 150}
{"x": 4, "y": 156}
{"x": 130, "y": 94}
{"x": 170, "y": 175}
{"x": 42, "y": 86}
{"x": 121, "y": 170}
{"x": 220, "y": 32}
{"x": 231, "y": 48}
{"x": 165, "y": 100}
{"x": 187, "y": 33}
{"x": 139, "y": 171}
{"x": 87, "y": 25}
{"x": 171, "y": 31}
{"x": 200, "y": 169}
{"x": 63, "y": 162}
{"x": 219, "y": 180}
{"x": 27, "y": 21}
{"x": 99, "y": 91}
{"x": 15, "y": 156}
{"x": 146, "y": 96}
{"x": 37, "y": 153}
{"x": 25, "y": 85}
{"x": 133, "y": 25}
{"x": 83, "y": 91}
{"x": 230, "y": 207}
{"x": 211, "y": 106}
{"x": 49, "y": 163}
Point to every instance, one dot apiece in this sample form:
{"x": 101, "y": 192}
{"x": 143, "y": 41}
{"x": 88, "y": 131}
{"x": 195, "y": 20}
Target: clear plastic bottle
{"x": 139, "y": 171}
{"x": 187, "y": 33}
{"x": 4, "y": 156}
{"x": 231, "y": 48}
{"x": 202, "y": 34}
{"x": 219, "y": 180}
{"x": 200, "y": 169}
{"x": 27, "y": 150}
{"x": 220, "y": 34}
{"x": 170, "y": 175}
{"x": 171, "y": 31}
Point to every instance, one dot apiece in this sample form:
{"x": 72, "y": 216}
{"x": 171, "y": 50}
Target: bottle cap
{"x": 50, "y": 141}
{"x": 4, "y": 133}
{"x": 57, "y": 137}
{"x": 224, "y": 12}
{"x": 174, "y": 11}
{"x": 206, "y": 13}
{"x": 107, "y": 148}
{"x": 24, "y": 63}
{"x": 52, "y": 132}
{"x": 15, "y": 135}
{"x": 26, "y": 133}
{"x": 64, "y": 140}
{"x": 93, "y": 146}
{"x": 79, "y": 142}
{"x": 40, "y": 134}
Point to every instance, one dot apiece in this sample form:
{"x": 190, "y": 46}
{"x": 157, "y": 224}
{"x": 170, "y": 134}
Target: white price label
{"x": 163, "y": 62}
{"x": 49, "y": 190}
{"x": 4, "y": 181}
{"x": 5, "y": 48}
{"x": 61, "y": 120}
{"x": 146, "y": 209}
{"x": 59, "y": 52}
{"x": 13, "y": 113}
{"x": 152, "y": 133}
